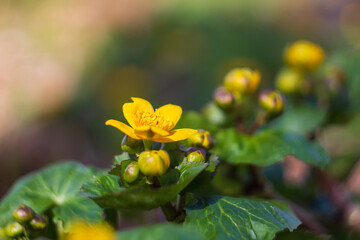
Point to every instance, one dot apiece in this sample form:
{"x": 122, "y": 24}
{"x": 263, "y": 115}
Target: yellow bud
{"x": 196, "y": 156}
{"x": 272, "y": 102}
{"x": 131, "y": 172}
{"x": 242, "y": 81}
{"x": 201, "y": 139}
{"x": 289, "y": 80}
{"x": 154, "y": 162}
{"x": 304, "y": 55}
{"x": 224, "y": 98}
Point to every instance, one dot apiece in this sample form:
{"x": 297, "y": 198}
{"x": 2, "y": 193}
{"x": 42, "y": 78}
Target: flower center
{"x": 153, "y": 119}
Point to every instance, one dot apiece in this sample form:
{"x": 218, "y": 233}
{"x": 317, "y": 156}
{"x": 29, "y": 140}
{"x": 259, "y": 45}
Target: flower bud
{"x": 131, "y": 145}
{"x": 224, "y": 98}
{"x": 154, "y": 162}
{"x": 304, "y": 55}
{"x": 271, "y": 101}
{"x": 242, "y": 81}
{"x": 23, "y": 214}
{"x": 39, "y": 222}
{"x": 201, "y": 139}
{"x": 196, "y": 156}
{"x": 131, "y": 172}
{"x": 14, "y": 229}
{"x": 289, "y": 80}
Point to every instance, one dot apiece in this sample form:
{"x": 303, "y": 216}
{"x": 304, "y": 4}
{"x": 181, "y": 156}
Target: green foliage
{"x": 228, "y": 218}
{"x": 55, "y": 189}
{"x": 106, "y": 191}
{"x": 301, "y": 119}
{"x": 266, "y": 147}
{"x": 352, "y": 71}
{"x": 162, "y": 232}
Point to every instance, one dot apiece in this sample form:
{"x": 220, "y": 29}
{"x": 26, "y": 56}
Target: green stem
{"x": 147, "y": 144}
{"x": 169, "y": 211}
{"x": 60, "y": 229}
{"x": 26, "y": 235}
{"x": 111, "y": 217}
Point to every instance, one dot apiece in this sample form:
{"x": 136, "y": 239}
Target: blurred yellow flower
{"x": 304, "y": 55}
{"x": 148, "y": 124}
{"x": 289, "y": 80}
{"x": 242, "y": 81}
{"x": 85, "y": 231}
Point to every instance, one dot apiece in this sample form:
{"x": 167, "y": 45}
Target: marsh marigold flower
{"x": 304, "y": 55}
{"x": 149, "y": 124}
{"x": 85, "y": 231}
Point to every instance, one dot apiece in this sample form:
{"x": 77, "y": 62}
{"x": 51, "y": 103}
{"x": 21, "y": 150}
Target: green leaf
{"x": 228, "y": 218}
{"x": 107, "y": 193}
{"x": 300, "y": 235}
{"x": 301, "y": 119}
{"x": 267, "y": 147}
{"x": 162, "y": 232}
{"x": 55, "y": 188}
{"x": 119, "y": 158}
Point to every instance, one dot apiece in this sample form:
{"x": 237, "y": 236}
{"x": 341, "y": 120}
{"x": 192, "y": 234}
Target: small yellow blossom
{"x": 289, "y": 80}
{"x": 304, "y": 55}
{"x": 148, "y": 124}
{"x": 242, "y": 81}
{"x": 85, "y": 231}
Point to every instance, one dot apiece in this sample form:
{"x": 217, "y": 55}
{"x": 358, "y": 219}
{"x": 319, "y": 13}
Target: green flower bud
{"x": 224, "y": 98}
{"x": 242, "y": 81}
{"x": 154, "y": 162}
{"x": 39, "y": 222}
{"x": 23, "y": 214}
{"x": 271, "y": 101}
{"x": 201, "y": 139}
{"x": 196, "y": 156}
{"x": 289, "y": 81}
{"x": 131, "y": 172}
{"x": 14, "y": 229}
{"x": 131, "y": 145}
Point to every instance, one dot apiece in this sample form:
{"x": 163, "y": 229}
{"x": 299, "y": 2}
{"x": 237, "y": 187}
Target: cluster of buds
{"x": 301, "y": 59}
{"x": 146, "y": 163}
{"x": 238, "y": 83}
{"x": 199, "y": 144}
{"x": 242, "y": 83}
{"x": 155, "y": 163}
{"x": 27, "y": 222}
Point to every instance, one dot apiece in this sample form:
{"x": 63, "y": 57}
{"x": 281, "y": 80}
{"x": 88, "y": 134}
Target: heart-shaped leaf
{"x": 162, "y": 232}
{"x": 106, "y": 191}
{"x": 54, "y": 188}
{"x": 267, "y": 147}
{"x": 227, "y": 218}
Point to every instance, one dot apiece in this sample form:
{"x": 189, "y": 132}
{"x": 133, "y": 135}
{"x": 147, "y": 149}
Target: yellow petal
{"x": 147, "y": 132}
{"x": 171, "y": 113}
{"x": 159, "y": 131}
{"x": 175, "y": 135}
{"x": 130, "y": 109}
{"x": 122, "y": 127}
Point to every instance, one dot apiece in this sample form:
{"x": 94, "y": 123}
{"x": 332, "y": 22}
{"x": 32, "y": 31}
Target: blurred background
{"x": 68, "y": 66}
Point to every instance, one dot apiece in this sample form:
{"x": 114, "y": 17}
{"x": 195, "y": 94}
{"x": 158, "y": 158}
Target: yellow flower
{"x": 85, "y": 231}
{"x": 148, "y": 124}
{"x": 304, "y": 55}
